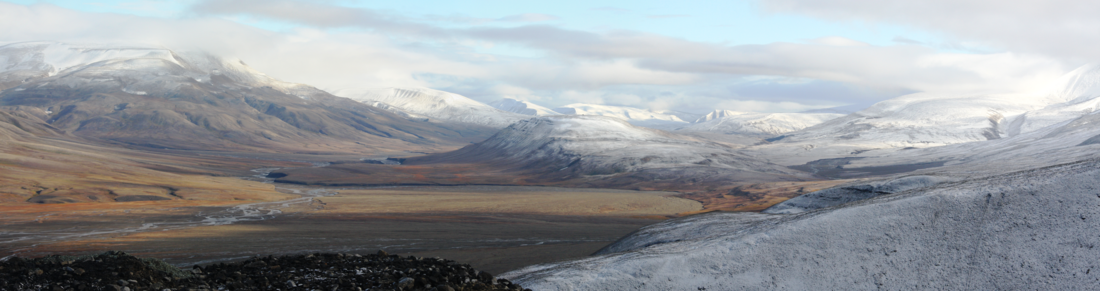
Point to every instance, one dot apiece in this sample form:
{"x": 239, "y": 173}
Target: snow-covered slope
{"x": 733, "y": 122}
{"x": 522, "y": 107}
{"x": 440, "y": 105}
{"x": 1010, "y": 212}
{"x": 20, "y": 62}
{"x": 1032, "y": 229}
{"x": 926, "y": 120}
{"x": 636, "y": 116}
{"x": 1076, "y": 94}
{"x": 156, "y": 97}
{"x": 572, "y": 146}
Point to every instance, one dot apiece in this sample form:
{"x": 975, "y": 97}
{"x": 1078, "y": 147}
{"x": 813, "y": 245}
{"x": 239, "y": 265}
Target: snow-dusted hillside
{"x": 733, "y": 122}
{"x": 925, "y": 120}
{"x": 440, "y": 105}
{"x": 522, "y": 107}
{"x": 636, "y": 116}
{"x": 1009, "y": 213}
{"x": 156, "y": 97}
{"x": 147, "y": 66}
{"x": 580, "y": 145}
{"x": 1076, "y": 94}
{"x": 1031, "y": 230}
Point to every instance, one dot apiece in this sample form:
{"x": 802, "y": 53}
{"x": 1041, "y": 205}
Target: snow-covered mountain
{"x": 574, "y": 146}
{"x": 522, "y": 107}
{"x": 926, "y": 120}
{"x": 636, "y": 116}
{"x": 439, "y": 105}
{"x": 156, "y": 97}
{"x": 1010, "y": 213}
{"x": 846, "y": 109}
{"x": 1074, "y": 94}
{"x": 23, "y": 62}
{"x": 734, "y": 122}
{"x": 1025, "y": 230}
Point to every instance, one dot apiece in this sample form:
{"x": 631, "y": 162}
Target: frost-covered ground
{"x": 1033, "y": 229}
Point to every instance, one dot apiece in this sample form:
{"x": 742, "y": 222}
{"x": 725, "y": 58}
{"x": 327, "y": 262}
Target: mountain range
{"x": 933, "y": 190}
{"x": 158, "y": 98}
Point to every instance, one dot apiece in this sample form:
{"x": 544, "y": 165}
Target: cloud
{"x": 838, "y": 41}
{"x": 528, "y": 17}
{"x": 1064, "y": 29}
{"x": 651, "y": 55}
{"x": 624, "y": 67}
{"x": 903, "y": 40}
{"x": 318, "y": 15}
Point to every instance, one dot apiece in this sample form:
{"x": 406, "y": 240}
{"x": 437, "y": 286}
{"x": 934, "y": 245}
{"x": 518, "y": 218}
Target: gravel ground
{"x": 119, "y": 271}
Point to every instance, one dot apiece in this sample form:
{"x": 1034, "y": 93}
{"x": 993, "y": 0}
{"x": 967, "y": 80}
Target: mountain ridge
{"x": 156, "y": 97}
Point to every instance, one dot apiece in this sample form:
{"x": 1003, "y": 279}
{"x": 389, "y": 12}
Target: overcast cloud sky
{"x": 695, "y": 56}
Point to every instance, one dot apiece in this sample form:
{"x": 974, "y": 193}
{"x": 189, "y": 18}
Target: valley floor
{"x": 494, "y": 228}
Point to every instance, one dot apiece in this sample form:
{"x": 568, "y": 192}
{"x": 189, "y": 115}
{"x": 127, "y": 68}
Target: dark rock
{"x": 485, "y": 277}
{"x": 406, "y": 283}
{"x": 117, "y": 271}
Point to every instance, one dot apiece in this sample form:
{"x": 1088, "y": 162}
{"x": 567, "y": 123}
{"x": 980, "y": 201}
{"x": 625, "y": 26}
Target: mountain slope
{"x": 42, "y": 164}
{"x": 925, "y": 120}
{"x": 1023, "y": 230}
{"x": 733, "y": 122}
{"x": 636, "y": 116}
{"x": 155, "y": 97}
{"x": 443, "y": 106}
{"x": 1076, "y": 94}
{"x": 522, "y": 107}
{"x": 598, "y": 147}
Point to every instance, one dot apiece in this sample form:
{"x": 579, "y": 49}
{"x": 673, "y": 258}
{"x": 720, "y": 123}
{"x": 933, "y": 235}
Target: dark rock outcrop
{"x": 119, "y": 271}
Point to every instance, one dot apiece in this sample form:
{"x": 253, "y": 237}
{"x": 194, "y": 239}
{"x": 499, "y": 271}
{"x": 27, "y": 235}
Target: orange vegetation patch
{"x": 756, "y": 196}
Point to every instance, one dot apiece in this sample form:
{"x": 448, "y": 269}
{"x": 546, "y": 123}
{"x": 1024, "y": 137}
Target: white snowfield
{"x": 142, "y": 67}
{"x": 734, "y": 122}
{"x": 1033, "y": 230}
{"x": 522, "y": 107}
{"x": 636, "y": 116}
{"x": 439, "y": 105}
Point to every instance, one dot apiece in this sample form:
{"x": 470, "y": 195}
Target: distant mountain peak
{"x": 441, "y": 105}
{"x": 155, "y": 97}
{"x": 1078, "y": 85}
{"x": 752, "y": 123}
{"x": 522, "y": 107}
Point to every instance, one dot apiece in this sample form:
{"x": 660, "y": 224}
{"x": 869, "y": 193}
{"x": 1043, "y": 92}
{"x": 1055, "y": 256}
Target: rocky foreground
{"x": 117, "y": 271}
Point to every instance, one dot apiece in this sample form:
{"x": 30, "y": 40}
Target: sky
{"x": 691, "y": 56}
